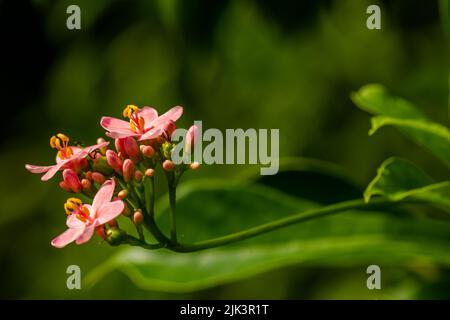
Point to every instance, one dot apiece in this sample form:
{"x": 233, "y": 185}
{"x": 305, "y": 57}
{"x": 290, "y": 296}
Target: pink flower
{"x": 67, "y": 157}
{"x": 83, "y": 219}
{"x": 144, "y": 123}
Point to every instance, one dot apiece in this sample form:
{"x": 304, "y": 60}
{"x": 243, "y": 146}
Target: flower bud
{"x": 114, "y": 161}
{"x": 98, "y": 177}
{"x": 194, "y": 165}
{"x": 147, "y": 151}
{"x": 82, "y": 164}
{"x": 63, "y": 185}
{"x": 167, "y": 149}
{"x": 122, "y": 194}
{"x": 114, "y": 236}
{"x": 138, "y": 217}
{"x": 191, "y": 137}
{"x": 131, "y": 147}
{"x": 86, "y": 184}
{"x": 128, "y": 170}
{"x": 149, "y": 172}
{"x": 138, "y": 176}
{"x": 88, "y": 175}
{"x": 71, "y": 180}
{"x": 119, "y": 146}
{"x": 168, "y": 165}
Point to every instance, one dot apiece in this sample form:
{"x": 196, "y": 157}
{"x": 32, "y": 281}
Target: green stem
{"x": 149, "y": 216}
{"x": 132, "y": 241}
{"x": 277, "y": 224}
{"x": 172, "y": 201}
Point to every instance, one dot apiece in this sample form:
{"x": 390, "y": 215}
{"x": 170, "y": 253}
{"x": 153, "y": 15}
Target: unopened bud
{"x": 191, "y": 137}
{"x": 122, "y": 194}
{"x": 147, "y": 151}
{"x": 194, "y": 165}
{"x": 114, "y": 236}
{"x": 131, "y": 147}
{"x": 114, "y": 161}
{"x": 138, "y": 176}
{"x": 71, "y": 180}
{"x": 128, "y": 170}
{"x": 168, "y": 165}
{"x": 138, "y": 217}
{"x": 112, "y": 223}
{"x": 149, "y": 172}
{"x": 119, "y": 146}
{"x": 98, "y": 177}
{"x": 86, "y": 184}
{"x": 63, "y": 185}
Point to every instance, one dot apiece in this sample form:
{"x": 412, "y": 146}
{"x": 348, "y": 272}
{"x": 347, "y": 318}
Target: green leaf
{"x": 392, "y": 111}
{"x": 207, "y": 210}
{"x": 399, "y": 179}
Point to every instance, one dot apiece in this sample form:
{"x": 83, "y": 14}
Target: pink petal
{"x": 67, "y": 237}
{"x": 103, "y": 195}
{"x": 149, "y": 115}
{"x": 89, "y": 149}
{"x": 173, "y": 114}
{"x": 75, "y": 152}
{"x": 73, "y": 222}
{"x": 151, "y": 134}
{"x": 53, "y": 170}
{"x": 115, "y": 125}
{"x": 109, "y": 211}
{"x": 37, "y": 169}
{"x": 118, "y": 135}
{"x": 86, "y": 235}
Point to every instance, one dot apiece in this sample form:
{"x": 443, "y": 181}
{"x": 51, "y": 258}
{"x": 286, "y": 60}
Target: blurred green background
{"x": 233, "y": 64}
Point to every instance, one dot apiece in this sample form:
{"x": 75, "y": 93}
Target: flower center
{"x": 60, "y": 142}
{"x": 75, "y": 206}
{"x": 136, "y": 121}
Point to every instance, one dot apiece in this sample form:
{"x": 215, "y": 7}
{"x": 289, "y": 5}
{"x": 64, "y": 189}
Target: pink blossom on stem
{"x": 67, "y": 157}
{"x": 128, "y": 170}
{"x": 114, "y": 161}
{"x": 83, "y": 219}
{"x": 144, "y": 123}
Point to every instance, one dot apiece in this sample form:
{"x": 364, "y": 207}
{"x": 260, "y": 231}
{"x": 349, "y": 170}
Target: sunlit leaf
{"x": 399, "y": 179}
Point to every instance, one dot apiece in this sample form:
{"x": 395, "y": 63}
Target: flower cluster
{"x": 119, "y": 180}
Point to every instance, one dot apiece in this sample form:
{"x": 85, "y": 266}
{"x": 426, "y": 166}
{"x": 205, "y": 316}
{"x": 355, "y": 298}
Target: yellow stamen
{"x": 129, "y": 110}
{"x": 71, "y": 205}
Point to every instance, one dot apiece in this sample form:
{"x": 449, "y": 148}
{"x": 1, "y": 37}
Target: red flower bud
{"x": 128, "y": 170}
{"x": 149, "y": 172}
{"x": 194, "y": 165}
{"x": 64, "y": 186}
{"x": 131, "y": 147}
{"x": 191, "y": 137}
{"x": 122, "y": 194}
{"x": 98, "y": 177}
{"x": 138, "y": 217}
{"x": 71, "y": 180}
{"x": 138, "y": 176}
{"x": 147, "y": 151}
{"x": 86, "y": 184}
{"x": 168, "y": 165}
{"x": 119, "y": 146}
{"x": 114, "y": 161}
